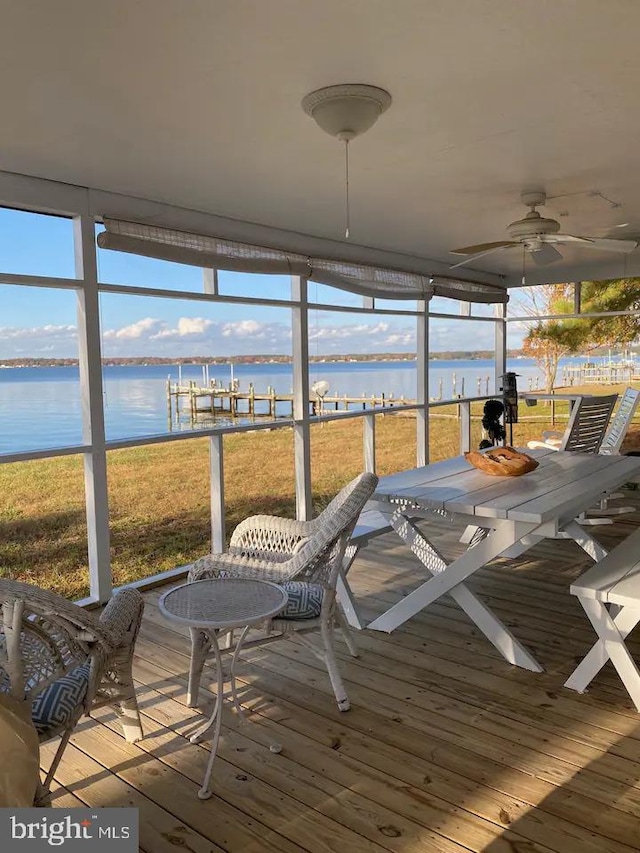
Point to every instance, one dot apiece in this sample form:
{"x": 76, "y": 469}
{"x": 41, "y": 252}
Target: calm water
{"x": 41, "y": 406}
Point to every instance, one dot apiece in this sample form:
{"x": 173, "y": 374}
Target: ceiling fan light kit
{"x": 539, "y": 236}
{"x": 346, "y": 111}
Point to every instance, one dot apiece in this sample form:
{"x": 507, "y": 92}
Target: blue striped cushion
{"x": 305, "y": 600}
{"x": 56, "y": 705}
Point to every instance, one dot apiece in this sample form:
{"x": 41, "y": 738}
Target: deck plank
{"x": 447, "y": 748}
{"x": 457, "y": 788}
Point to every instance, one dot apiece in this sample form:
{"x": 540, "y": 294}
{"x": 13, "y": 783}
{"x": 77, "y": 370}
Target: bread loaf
{"x": 501, "y": 462}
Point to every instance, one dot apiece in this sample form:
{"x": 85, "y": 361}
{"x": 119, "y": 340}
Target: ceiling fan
{"x": 538, "y": 235}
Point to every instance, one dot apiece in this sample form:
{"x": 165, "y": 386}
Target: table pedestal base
{"x": 205, "y": 641}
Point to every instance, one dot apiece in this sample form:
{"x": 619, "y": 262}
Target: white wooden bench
{"x": 610, "y": 595}
{"x": 370, "y": 524}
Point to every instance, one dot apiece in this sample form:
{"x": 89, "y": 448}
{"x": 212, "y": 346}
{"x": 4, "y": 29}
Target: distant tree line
{"x": 250, "y": 359}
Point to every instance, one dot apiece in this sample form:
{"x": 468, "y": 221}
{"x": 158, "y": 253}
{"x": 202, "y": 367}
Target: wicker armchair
{"x": 306, "y": 558}
{"x": 64, "y": 661}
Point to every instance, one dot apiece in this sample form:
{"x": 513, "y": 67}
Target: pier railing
{"x": 231, "y": 402}
{"x": 612, "y": 373}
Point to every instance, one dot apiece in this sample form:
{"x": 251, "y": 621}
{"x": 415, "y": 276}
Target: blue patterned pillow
{"x": 56, "y": 705}
{"x": 305, "y": 600}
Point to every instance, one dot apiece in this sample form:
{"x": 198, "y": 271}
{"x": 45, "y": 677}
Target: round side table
{"x": 210, "y": 608}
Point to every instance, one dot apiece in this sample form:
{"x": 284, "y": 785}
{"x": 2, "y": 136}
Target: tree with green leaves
{"x": 548, "y": 340}
{"x": 622, "y": 294}
{"x": 545, "y": 341}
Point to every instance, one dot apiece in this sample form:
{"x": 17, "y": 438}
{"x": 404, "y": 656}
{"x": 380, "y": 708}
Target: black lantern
{"x": 510, "y": 398}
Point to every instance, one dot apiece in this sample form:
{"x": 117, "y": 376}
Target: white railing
{"x": 85, "y": 207}
{"x": 216, "y": 435}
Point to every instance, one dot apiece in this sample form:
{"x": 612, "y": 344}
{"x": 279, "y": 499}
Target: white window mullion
{"x": 210, "y": 281}
{"x": 301, "y": 429}
{"x": 216, "y": 483}
{"x": 93, "y": 430}
{"x": 500, "y": 345}
{"x": 422, "y": 371}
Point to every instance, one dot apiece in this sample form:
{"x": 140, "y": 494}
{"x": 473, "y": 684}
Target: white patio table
{"x": 213, "y": 607}
{"x": 514, "y": 513}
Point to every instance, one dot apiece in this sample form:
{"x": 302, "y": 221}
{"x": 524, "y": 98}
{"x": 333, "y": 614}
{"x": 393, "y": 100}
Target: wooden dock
{"x": 231, "y": 402}
{"x": 213, "y": 399}
{"x": 612, "y": 373}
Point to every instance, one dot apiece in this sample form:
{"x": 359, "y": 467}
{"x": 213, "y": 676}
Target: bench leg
{"x": 612, "y": 632}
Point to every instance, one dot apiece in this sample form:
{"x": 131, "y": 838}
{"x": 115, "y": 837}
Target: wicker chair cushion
{"x": 58, "y": 704}
{"x": 305, "y": 600}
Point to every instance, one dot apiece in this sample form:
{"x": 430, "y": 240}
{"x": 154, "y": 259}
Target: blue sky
{"x": 41, "y": 322}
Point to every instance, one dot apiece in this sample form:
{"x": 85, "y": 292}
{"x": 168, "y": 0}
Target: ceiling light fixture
{"x": 346, "y": 111}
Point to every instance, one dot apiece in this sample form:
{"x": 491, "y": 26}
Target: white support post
{"x": 369, "y": 442}
{"x": 301, "y": 429}
{"x": 93, "y": 431}
{"x": 210, "y": 281}
{"x": 422, "y": 391}
{"x": 464, "y": 407}
{"x": 216, "y": 480}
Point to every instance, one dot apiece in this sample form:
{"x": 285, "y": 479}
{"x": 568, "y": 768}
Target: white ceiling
{"x": 197, "y": 103}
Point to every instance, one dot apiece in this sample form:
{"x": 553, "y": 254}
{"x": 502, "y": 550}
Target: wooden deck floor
{"x": 447, "y": 748}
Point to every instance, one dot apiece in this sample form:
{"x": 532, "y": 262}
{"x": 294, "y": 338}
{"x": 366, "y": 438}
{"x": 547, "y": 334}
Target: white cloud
{"x": 193, "y": 328}
{"x": 405, "y": 339}
{"x": 27, "y": 333}
{"x": 48, "y": 341}
{"x": 245, "y": 329}
{"x": 200, "y": 336}
{"x": 197, "y": 336}
{"x": 140, "y": 329}
{"x": 193, "y": 325}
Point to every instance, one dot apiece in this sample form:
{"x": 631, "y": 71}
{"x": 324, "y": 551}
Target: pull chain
{"x": 346, "y": 171}
{"x": 524, "y": 257}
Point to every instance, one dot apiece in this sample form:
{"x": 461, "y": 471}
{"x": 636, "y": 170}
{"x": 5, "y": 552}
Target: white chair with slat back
{"x": 585, "y": 433}
{"x": 611, "y": 445}
{"x": 620, "y": 423}
{"x": 587, "y": 426}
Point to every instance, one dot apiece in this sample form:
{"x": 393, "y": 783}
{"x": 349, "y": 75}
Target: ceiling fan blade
{"x": 547, "y": 254}
{"x": 606, "y": 244}
{"x": 482, "y": 247}
{"x": 565, "y": 238}
{"x": 479, "y": 255}
{"x": 611, "y": 245}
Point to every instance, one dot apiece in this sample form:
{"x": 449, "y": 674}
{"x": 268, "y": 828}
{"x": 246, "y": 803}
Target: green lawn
{"x": 159, "y": 494}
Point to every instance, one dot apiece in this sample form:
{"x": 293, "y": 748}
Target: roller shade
{"x": 202, "y": 250}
